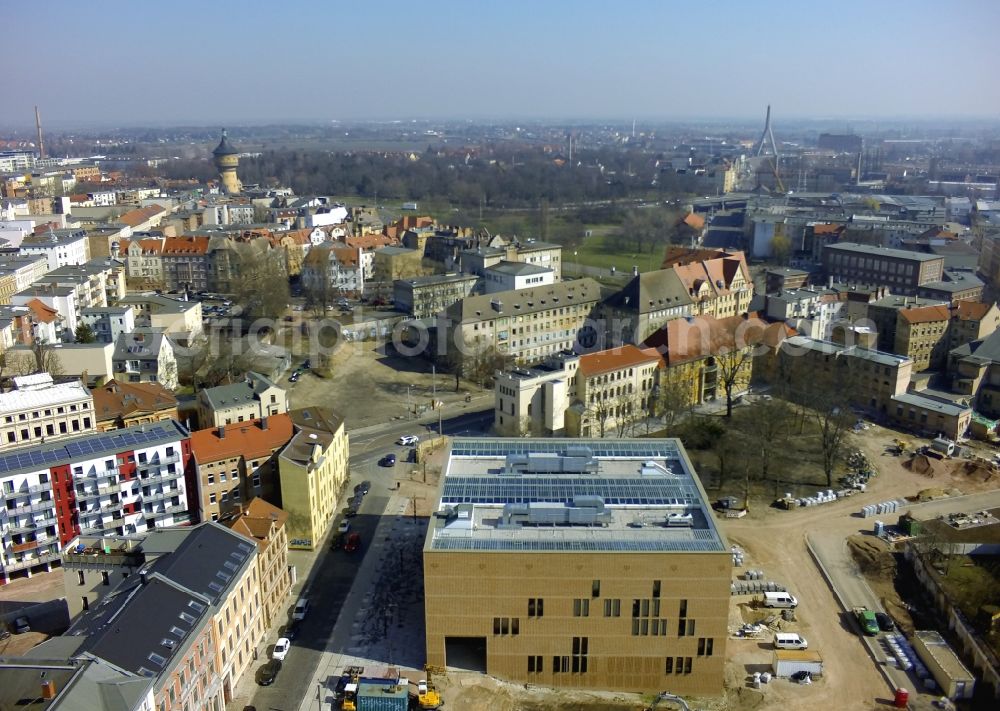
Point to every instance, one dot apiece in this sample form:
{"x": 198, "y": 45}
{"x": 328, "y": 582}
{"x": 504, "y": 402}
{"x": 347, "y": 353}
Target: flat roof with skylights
{"x": 555, "y": 494}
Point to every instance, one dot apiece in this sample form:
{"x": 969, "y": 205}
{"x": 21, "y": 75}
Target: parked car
{"x": 289, "y": 631}
{"x": 301, "y": 608}
{"x": 305, "y": 364}
{"x": 388, "y": 460}
{"x": 351, "y": 511}
{"x": 21, "y": 625}
{"x": 344, "y": 526}
{"x": 885, "y": 622}
{"x": 407, "y": 440}
{"x": 293, "y": 378}
{"x": 352, "y": 543}
{"x": 281, "y": 648}
{"x": 268, "y": 673}
{"x": 363, "y": 488}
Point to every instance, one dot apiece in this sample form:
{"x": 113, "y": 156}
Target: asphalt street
{"x": 330, "y": 579}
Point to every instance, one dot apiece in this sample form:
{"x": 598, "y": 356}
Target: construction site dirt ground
{"x": 388, "y": 385}
{"x": 774, "y": 541}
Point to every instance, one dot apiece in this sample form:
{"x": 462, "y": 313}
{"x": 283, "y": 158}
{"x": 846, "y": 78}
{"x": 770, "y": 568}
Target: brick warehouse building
{"x": 107, "y": 483}
{"x": 585, "y": 563}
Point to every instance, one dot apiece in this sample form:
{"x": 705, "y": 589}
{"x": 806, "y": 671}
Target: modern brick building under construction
{"x": 589, "y": 563}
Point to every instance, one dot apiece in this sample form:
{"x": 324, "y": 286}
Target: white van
{"x": 780, "y": 599}
{"x": 789, "y": 640}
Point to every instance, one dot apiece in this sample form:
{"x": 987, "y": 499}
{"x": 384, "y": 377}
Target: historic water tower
{"x": 227, "y": 160}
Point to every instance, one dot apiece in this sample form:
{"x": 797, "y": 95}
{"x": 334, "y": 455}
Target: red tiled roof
{"x": 616, "y": 359}
{"x": 245, "y": 439}
{"x": 972, "y": 310}
{"x": 41, "y": 312}
{"x": 115, "y": 399}
{"x": 693, "y": 338}
{"x": 828, "y": 229}
{"x": 185, "y": 245}
{"x": 675, "y": 256}
{"x": 136, "y": 217}
{"x": 371, "y": 240}
{"x": 694, "y": 221}
{"x": 925, "y": 314}
{"x": 346, "y": 256}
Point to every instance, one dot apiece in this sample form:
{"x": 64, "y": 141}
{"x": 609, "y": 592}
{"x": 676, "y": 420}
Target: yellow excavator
{"x": 428, "y": 696}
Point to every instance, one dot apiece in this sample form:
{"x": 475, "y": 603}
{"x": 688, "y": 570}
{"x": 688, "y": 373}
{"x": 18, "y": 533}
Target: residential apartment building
{"x": 98, "y": 282}
{"x": 255, "y": 397}
{"x": 186, "y": 263}
{"x": 648, "y": 301}
{"x": 90, "y": 362}
{"x": 74, "y": 680}
{"x": 120, "y": 404}
{"x": 18, "y": 273}
{"x": 145, "y": 356}
{"x": 60, "y": 247}
{"x": 178, "y": 318}
{"x": 158, "y": 638}
{"x": 143, "y": 262}
{"x": 511, "y": 276}
{"x": 573, "y": 591}
{"x": 235, "y": 463}
{"x": 535, "y": 400}
{"x": 901, "y": 270}
{"x": 922, "y": 336}
{"x": 38, "y": 410}
{"x": 107, "y": 323}
{"x": 972, "y": 321}
{"x": 427, "y": 296}
{"x": 114, "y": 483}
{"x": 527, "y": 325}
{"x": 217, "y": 570}
{"x": 265, "y": 525}
{"x": 335, "y": 271}
{"x": 62, "y": 300}
{"x": 312, "y": 470}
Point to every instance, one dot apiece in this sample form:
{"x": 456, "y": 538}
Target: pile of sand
{"x": 872, "y": 556}
{"x": 978, "y": 470}
{"x": 921, "y": 464}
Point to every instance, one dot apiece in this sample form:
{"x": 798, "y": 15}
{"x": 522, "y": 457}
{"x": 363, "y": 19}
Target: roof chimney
{"x": 222, "y": 432}
{"x": 48, "y": 689}
{"x": 263, "y": 423}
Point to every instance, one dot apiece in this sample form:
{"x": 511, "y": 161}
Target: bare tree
{"x": 735, "y": 366}
{"x": 627, "y": 411}
{"x": 765, "y": 426}
{"x": 600, "y": 410}
{"x": 46, "y": 359}
{"x": 672, "y": 400}
{"x": 316, "y": 281}
{"x": 260, "y": 285}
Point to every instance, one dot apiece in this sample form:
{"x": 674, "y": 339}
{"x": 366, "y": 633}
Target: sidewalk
{"x": 381, "y": 621}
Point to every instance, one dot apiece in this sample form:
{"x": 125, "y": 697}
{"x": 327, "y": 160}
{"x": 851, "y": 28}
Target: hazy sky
{"x": 131, "y": 62}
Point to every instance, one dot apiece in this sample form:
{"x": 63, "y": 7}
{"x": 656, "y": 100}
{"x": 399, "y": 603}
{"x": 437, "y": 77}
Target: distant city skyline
{"x": 122, "y": 64}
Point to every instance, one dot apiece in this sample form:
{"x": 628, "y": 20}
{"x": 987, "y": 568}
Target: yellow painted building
{"x": 312, "y": 469}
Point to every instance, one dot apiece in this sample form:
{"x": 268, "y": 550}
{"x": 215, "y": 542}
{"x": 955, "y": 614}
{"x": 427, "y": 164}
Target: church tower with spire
{"x": 227, "y": 160}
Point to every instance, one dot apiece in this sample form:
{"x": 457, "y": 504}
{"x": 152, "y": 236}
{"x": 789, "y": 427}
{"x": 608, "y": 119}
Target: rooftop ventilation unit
{"x": 679, "y": 520}
{"x": 585, "y": 511}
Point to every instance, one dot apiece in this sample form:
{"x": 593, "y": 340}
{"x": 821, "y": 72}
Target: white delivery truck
{"x": 780, "y": 599}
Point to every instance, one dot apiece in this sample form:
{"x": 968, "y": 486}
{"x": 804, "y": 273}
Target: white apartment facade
{"x": 38, "y": 410}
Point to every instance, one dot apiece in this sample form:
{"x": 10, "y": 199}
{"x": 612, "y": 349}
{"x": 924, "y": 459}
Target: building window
{"x": 105, "y": 578}
{"x": 534, "y": 664}
{"x": 536, "y": 607}
{"x": 595, "y": 588}
{"x": 580, "y": 645}
{"x": 581, "y": 607}
{"x": 705, "y": 646}
{"x": 80, "y": 577}
{"x": 612, "y": 608}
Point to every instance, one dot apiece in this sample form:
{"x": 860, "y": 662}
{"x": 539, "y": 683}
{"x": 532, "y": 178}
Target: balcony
{"x": 34, "y": 507}
{"x": 96, "y": 492}
{"x": 24, "y": 491}
{"x": 159, "y": 495}
{"x": 32, "y": 524}
{"x": 47, "y": 557}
